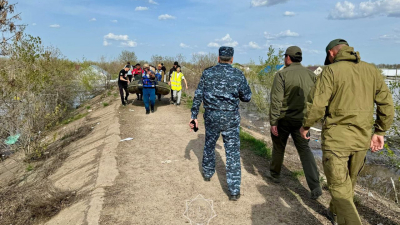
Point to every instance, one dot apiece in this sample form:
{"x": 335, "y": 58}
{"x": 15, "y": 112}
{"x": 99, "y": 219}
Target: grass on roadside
{"x": 257, "y": 146}
{"x": 297, "y": 174}
{"x": 105, "y": 104}
{"x": 72, "y": 119}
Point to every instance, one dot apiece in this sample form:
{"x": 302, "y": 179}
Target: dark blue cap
{"x": 226, "y": 51}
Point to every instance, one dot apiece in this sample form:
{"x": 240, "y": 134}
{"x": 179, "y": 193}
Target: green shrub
{"x": 105, "y": 104}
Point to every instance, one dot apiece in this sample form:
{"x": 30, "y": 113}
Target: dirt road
{"x": 155, "y": 178}
{"x": 159, "y": 170}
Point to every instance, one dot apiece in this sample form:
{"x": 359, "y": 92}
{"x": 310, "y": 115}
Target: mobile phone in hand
{"x": 195, "y": 128}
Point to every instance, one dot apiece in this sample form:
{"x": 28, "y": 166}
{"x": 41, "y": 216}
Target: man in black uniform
{"x": 123, "y": 84}
{"x": 171, "y": 71}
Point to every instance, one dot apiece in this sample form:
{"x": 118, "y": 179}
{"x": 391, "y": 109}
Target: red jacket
{"x": 137, "y": 71}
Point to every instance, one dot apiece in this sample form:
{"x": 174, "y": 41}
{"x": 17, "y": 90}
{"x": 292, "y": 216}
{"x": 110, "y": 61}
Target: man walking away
{"x": 123, "y": 84}
{"x": 221, "y": 88}
{"x": 288, "y": 99}
{"x": 176, "y": 85}
{"x": 345, "y": 94}
{"x": 171, "y": 71}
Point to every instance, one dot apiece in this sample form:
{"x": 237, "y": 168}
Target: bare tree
{"x": 9, "y": 30}
{"x": 127, "y": 56}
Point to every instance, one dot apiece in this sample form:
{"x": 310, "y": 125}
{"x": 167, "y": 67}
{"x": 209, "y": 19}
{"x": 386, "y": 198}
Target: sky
{"x": 88, "y": 29}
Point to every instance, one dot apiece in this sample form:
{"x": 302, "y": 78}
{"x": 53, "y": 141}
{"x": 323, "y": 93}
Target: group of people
{"x": 149, "y": 76}
{"x": 344, "y": 95}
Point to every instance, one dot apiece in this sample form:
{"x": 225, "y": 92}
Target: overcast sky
{"x": 90, "y": 29}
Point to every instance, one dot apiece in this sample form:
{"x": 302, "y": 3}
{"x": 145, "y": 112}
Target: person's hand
{"x": 192, "y": 125}
{"x": 187, "y": 87}
{"x": 303, "y": 133}
{"x": 377, "y": 143}
{"x": 169, "y": 83}
{"x": 274, "y": 130}
{"x": 129, "y": 82}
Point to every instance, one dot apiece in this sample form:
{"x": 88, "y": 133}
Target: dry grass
{"x": 30, "y": 204}
{"x": 56, "y": 147}
{"x": 32, "y": 199}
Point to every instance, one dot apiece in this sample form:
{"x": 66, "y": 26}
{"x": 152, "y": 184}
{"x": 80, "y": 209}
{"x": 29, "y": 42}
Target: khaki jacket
{"x": 345, "y": 94}
{"x": 289, "y": 93}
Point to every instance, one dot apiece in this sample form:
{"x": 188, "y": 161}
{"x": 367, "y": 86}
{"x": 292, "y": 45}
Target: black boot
{"x": 152, "y": 108}
{"x": 147, "y": 111}
{"x": 234, "y": 197}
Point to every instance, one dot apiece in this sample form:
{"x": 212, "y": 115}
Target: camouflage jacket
{"x": 221, "y": 87}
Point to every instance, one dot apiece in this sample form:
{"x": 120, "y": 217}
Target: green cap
{"x": 331, "y": 45}
{"x": 293, "y": 51}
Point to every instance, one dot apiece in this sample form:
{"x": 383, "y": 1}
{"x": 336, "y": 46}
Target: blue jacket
{"x": 148, "y": 83}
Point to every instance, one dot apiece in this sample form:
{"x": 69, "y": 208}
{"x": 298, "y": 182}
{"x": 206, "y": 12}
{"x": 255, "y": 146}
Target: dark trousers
{"x": 121, "y": 93}
{"x": 159, "y": 96}
{"x": 149, "y": 96}
{"x": 172, "y": 95}
{"x": 138, "y": 78}
{"x": 286, "y": 128}
{"x": 130, "y": 78}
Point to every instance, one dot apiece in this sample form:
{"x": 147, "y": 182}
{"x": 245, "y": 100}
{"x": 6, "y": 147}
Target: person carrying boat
{"x": 137, "y": 75}
{"x": 123, "y": 83}
{"x": 149, "y": 89}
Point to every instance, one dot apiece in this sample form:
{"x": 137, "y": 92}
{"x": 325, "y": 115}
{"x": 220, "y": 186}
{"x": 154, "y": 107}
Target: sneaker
{"x": 148, "y": 112}
{"x": 331, "y": 216}
{"x": 152, "y": 111}
{"x": 234, "y": 197}
{"x": 207, "y": 179}
{"x": 316, "y": 193}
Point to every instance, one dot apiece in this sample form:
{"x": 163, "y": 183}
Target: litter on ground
{"x": 126, "y": 139}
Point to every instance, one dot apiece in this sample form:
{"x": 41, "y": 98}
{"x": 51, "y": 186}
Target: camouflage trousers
{"x": 226, "y": 123}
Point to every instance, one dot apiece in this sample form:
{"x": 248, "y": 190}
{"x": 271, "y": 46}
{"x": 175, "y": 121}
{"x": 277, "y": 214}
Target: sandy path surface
{"x": 159, "y": 170}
